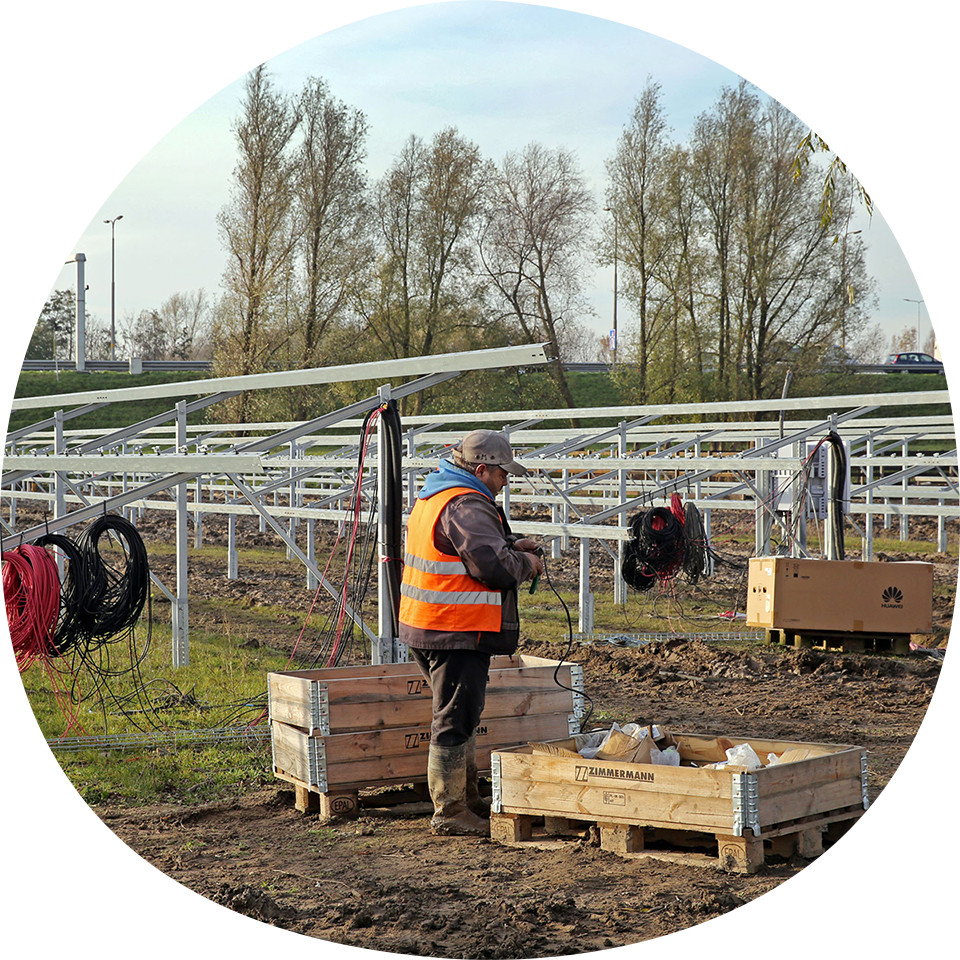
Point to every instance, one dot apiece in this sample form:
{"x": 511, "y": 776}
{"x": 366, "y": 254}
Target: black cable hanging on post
{"x": 392, "y": 560}
{"x": 839, "y": 487}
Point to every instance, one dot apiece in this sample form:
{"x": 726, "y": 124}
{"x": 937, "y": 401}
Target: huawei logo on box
{"x": 892, "y": 597}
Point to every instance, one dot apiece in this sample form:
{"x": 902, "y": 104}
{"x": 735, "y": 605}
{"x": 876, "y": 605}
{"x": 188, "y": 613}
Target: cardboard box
{"x": 840, "y": 595}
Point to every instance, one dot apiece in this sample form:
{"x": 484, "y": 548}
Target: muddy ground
{"x": 384, "y": 882}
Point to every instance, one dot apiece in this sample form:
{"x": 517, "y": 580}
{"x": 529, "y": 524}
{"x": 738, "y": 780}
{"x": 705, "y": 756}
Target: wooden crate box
{"x": 742, "y": 809}
{"x": 335, "y": 731}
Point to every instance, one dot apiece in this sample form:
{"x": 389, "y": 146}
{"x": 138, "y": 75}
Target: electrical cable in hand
{"x": 566, "y": 653}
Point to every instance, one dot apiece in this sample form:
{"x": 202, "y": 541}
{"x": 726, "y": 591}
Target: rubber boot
{"x": 447, "y": 780}
{"x": 477, "y": 804}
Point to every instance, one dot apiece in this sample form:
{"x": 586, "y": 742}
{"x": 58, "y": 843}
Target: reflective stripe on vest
{"x": 437, "y": 593}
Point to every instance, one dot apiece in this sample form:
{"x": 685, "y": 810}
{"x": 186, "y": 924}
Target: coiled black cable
{"x": 667, "y": 543}
{"x": 656, "y": 549}
{"x": 114, "y": 595}
{"x": 71, "y": 628}
{"x": 698, "y": 556}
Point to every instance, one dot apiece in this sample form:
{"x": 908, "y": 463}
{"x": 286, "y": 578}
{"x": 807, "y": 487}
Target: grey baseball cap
{"x": 488, "y": 446}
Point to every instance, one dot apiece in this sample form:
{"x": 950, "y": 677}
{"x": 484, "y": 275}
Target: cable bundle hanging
{"x": 117, "y": 595}
{"x": 31, "y": 591}
{"x": 95, "y": 601}
{"x": 75, "y": 594}
{"x": 665, "y": 544}
{"x": 333, "y": 641}
{"x": 656, "y": 550}
{"x": 698, "y": 556}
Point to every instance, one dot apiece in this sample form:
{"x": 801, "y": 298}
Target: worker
{"x": 458, "y": 606}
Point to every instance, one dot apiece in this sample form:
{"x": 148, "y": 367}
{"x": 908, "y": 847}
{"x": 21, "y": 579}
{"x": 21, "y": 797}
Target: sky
{"x": 503, "y": 74}
{"x": 92, "y": 88}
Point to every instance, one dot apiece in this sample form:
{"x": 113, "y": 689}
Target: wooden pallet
{"x": 337, "y": 732}
{"x": 732, "y": 854}
{"x": 745, "y": 812}
{"x": 344, "y": 804}
{"x": 847, "y": 642}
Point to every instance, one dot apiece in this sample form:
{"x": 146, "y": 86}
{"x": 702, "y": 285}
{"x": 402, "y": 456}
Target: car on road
{"x": 914, "y": 362}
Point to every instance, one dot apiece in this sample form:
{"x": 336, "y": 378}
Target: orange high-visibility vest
{"x": 436, "y": 592}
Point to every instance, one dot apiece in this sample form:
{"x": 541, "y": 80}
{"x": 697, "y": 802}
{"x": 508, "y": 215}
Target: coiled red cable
{"x": 31, "y": 592}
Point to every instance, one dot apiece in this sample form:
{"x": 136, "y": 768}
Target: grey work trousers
{"x": 458, "y": 682}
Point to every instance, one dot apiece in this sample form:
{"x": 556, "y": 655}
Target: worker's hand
{"x": 539, "y": 566}
{"x": 527, "y": 545}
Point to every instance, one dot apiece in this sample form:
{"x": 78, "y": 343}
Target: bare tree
{"x": 330, "y": 187}
{"x": 423, "y": 293}
{"x": 532, "y": 244}
{"x": 259, "y": 232}
{"x": 179, "y": 330}
{"x": 636, "y": 200}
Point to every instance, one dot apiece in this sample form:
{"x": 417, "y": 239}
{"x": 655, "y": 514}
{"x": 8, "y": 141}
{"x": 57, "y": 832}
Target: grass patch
{"x": 222, "y": 686}
{"x": 918, "y": 547}
{"x": 184, "y": 775}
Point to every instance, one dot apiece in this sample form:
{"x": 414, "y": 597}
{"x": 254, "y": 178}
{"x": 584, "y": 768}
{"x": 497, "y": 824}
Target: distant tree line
{"x": 179, "y": 329}
{"x": 732, "y": 261}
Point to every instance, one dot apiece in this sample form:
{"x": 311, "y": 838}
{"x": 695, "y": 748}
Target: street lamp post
{"x": 845, "y": 292}
{"x": 615, "y": 259}
{"x": 113, "y": 286}
{"x": 917, "y": 302}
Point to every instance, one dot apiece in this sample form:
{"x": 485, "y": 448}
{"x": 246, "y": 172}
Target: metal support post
{"x": 555, "y": 553}
{"x": 764, "y": 517}
{"x": 198, "y": 517}
{"x": 179, "y": 608}
{"x": 292, "y": 522}
{"x": 59, "y": 485}
{"x": 904, "y": 518}
{"x": 867, "y": 551}
{"x": 586, "y": 597}
{"x": 565, "y": 510}
{"x": 233, "y": 559}
{"x": 798, "y": 507}
{"x": 312, "y": 580}
{"x": 411, "y": 474}
{"x": 80, "y": 339}
{"x": 619, "y": 584}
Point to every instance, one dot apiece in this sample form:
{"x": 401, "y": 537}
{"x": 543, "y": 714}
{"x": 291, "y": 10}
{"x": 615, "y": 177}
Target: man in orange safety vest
{"x": 458, "y": 606}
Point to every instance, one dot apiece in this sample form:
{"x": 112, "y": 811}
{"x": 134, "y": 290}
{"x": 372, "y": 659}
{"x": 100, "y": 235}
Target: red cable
{"x": 332, "y": 659}
{"x": 356, "y": 522}
{"x": 31, "y": 591}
